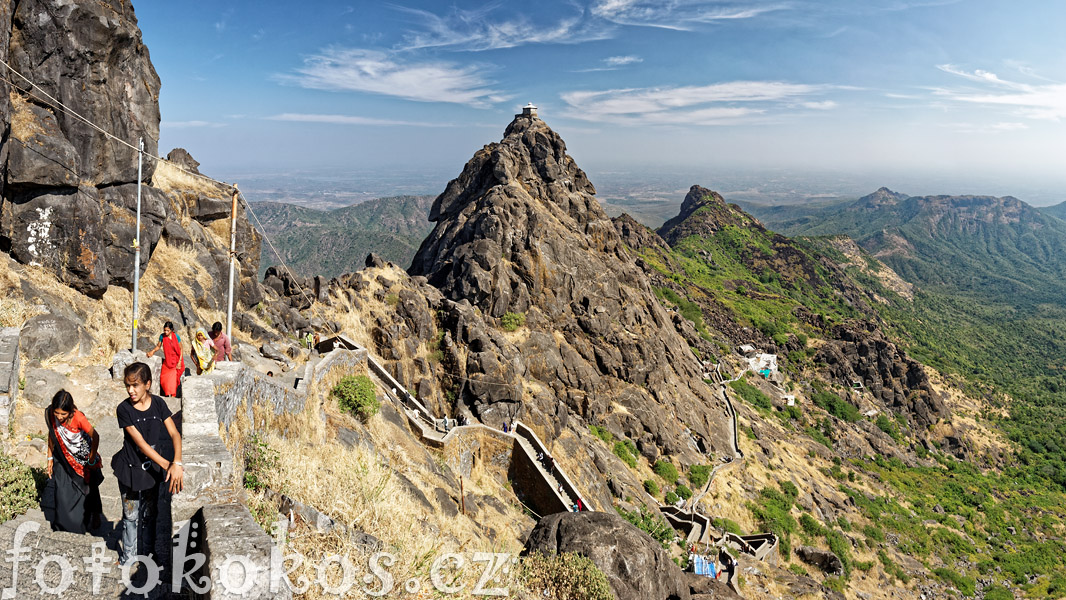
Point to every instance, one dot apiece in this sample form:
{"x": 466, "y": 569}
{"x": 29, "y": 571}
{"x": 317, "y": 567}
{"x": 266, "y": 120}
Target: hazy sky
{"x": 949, "y": 88}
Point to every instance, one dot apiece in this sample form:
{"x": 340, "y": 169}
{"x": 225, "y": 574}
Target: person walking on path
{"x": 72, "y": 443}
{"x": 203, "y": 352}
{"x": 139, "y": 467}
{"x": 223, "y": 349}
{"x": 173, "y": 361}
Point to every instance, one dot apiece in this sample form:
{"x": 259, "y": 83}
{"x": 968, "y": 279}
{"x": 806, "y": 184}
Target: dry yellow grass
{"x": 169, "y": 178}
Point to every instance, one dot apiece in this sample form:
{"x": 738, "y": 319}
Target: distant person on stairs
{"x": 223, "y": 350}
{"x": 173, "y": 361}
{"x": 139, "y": 467}
{"x": 72, "y": 443}
{"x": 203, "y": 352}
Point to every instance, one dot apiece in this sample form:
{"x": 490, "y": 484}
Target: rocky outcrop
{"x": 824, "y": 560}
{"x": 636, "y": 566}
{"x": 899, "y": 382}
{"x": 714, "y": 214}
{"x": 520, "y": 231}
{"x": 69, "y": 191}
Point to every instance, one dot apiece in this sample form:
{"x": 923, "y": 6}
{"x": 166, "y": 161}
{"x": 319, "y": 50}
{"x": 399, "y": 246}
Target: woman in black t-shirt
{"x": 139, "y": 467}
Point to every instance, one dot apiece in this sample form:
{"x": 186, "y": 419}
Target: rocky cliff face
{"x": 520, "y": 231}
{"x": 68, "y": 191}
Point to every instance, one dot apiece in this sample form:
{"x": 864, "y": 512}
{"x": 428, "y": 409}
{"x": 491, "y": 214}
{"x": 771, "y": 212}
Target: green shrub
{"x": 789, "y": 489}
{"x": 698, "y": 475}
{"x": 602, "y": 433}
{"x": 840, "y": 546}
{"x": 873, "y": 533}
{"x": 844, "y": 523}
{"x": 811, "y": 526}
{"x": 566, "y": 576}
{"x": 966, "y": 585}
{"x": 728, "y": 525}
{"x": 651, "y": 487}
{"x": 512, "y": 321}
{"x": 772, "y": 514}
{"x": 671, "y": 498}
{"x": 864, "y": 565}
{"x": 259, "y": 460}
{"x": 627, "y": 451}
{"x": 834, "y": 405}
{"x": 666, "y": 470}
{"x": 751, "y": 394}
{"x": 888, "y": 426}
{"x": 18, "y": 488}
{"x": 356, "y": 394}
{"x": 998, "y": 592}
{"x": 837, "y": 584}
{"x": 647, "y": 522}
{"x": 798, "y": 570}
{"x": 683, "y": 491}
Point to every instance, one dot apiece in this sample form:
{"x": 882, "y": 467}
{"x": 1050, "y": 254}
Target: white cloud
{"x": 375, "y": 72}
{"x": 990, "y": 128}
{"x": 677, "y": 14}
{"x": 349, "y": 120}
{"x": 475, "y": 31}
{"x": 621, "y": 61}
{"x": 699, "y": 105}
{"x": 1045, "y": 101}
{"x": 823, "y": 105}
{"x": 188, "y": 124}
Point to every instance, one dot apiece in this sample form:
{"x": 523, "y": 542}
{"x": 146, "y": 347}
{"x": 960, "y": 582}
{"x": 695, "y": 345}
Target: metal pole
{"x": 137, "y": 251}
{"x": 232, "y": 259}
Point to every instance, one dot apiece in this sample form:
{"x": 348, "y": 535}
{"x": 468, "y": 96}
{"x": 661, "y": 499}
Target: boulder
{"x": 47, "y": 335}
{"x": 62, "y": 230}
{"x": 41, "y": 385}
{"x": 182, "y": 158}
{"x": 636, "y": 566}
{"x": 825, "y": 560}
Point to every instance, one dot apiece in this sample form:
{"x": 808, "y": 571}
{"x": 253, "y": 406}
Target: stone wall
{"x": 9, "y": 376}
{"x": 535, "y": 491}
{"x": 211, "y": 500}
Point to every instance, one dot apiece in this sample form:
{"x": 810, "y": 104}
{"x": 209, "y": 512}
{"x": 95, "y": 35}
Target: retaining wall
{"x": 9, "y": 376}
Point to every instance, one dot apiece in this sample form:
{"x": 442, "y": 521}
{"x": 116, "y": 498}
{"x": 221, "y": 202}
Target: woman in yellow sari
{"x": 203, "y": 352}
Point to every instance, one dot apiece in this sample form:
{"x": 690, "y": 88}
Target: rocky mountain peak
{"x": 703, "y": 212}
{"x": 520, "y": 231}
{"x": 883, "y": 197}
{"x": 531, "y": 156}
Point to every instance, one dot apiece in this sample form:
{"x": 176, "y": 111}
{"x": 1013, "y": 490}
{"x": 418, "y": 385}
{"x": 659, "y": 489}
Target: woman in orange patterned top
{"x": 72, "y": 443}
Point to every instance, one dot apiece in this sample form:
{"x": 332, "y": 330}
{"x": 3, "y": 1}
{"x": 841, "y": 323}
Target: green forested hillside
{"x": 330, "y": 243}
{"x": 719, "y": 267}
{"x": 991, "y": 276}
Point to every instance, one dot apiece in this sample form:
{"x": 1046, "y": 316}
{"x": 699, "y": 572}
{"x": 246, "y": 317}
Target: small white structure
{"x": 529, "y": 111}
{"x": 747, "y": 350}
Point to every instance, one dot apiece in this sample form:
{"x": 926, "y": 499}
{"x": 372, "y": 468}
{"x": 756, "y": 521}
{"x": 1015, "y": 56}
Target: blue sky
{"x": 948, "y": 88}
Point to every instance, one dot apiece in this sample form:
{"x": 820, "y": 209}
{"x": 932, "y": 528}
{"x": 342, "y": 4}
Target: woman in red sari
{"x": 173, "y": 362}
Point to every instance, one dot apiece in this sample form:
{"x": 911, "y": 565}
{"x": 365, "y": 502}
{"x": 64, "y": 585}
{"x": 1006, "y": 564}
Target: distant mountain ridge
{"x": 982, "y": 244}
{"x": 333, "y": 242}
{"x": 990, "y": 275}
